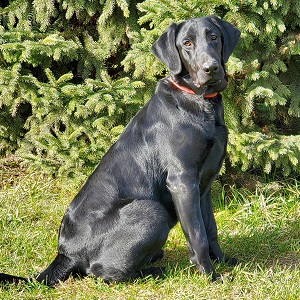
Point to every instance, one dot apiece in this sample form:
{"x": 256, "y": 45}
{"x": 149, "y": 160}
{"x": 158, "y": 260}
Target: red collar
{"x": 187, "y": 90}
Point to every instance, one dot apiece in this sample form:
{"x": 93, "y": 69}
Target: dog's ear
{"x": 164, "y": 48}
{"x": 230, "y": 36}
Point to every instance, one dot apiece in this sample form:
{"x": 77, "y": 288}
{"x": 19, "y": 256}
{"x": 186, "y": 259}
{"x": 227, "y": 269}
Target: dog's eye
{"x": 213, "y": 37}
{"x": 187, "y": 43}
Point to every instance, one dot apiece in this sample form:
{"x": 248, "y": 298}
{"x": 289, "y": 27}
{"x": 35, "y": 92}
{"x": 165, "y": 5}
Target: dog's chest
{"x": 204, "y": 117}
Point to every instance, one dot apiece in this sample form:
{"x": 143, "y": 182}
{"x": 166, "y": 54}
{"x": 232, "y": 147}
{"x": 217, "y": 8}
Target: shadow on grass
{"x": 270, "y": 247}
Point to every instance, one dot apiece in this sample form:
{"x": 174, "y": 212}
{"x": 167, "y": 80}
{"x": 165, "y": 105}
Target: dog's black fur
{"x": 159, "y": 171}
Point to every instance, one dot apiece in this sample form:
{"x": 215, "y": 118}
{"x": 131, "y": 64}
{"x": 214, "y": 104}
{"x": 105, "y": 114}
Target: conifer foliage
{"x": 64, "y": 98}
{"x": 73, "y": 72}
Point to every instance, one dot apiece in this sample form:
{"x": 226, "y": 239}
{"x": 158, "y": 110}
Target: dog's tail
{"x": 59, "y": 270}
{"x": 5, "y": 278}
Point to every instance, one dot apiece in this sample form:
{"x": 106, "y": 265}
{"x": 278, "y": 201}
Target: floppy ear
{"x": 165, "y": 49}
{"x": 230, "y": 34}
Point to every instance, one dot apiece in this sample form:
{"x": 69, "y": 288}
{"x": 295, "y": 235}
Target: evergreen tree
{"x": 73, "y": 72}
{"x": 64, "y": 95}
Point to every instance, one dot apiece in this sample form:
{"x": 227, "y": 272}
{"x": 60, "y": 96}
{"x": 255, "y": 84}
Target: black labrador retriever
{"x": 158, "y": 172}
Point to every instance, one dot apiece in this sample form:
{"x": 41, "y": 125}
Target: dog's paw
{"x": 155, "y": 272}
{"x": 157, "y": 256}
{"x": 232, "y": 261}
{"x": 216, "y": 277}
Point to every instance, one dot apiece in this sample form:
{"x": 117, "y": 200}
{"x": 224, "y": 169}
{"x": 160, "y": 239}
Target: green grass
{"x": 260, "y": 228}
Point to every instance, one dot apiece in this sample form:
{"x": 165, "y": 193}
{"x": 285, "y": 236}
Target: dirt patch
{"x": 289, "y": 260}
{"x": 11, "y": 168}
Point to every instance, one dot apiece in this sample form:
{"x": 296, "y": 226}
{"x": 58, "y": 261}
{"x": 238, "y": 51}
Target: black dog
{"x": 159, "y": 171}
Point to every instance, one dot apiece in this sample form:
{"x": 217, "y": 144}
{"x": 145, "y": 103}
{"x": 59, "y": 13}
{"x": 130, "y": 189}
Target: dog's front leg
{"x": 185, "y": 193}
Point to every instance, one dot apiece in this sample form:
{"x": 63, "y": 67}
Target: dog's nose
{"x": 210, "y": 67}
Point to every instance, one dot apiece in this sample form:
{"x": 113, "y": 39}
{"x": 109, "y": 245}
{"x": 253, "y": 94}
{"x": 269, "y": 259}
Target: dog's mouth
{"x": 205, "y": 86}
{"x": 209, "y": 83}
{"x": 210, "y": 86}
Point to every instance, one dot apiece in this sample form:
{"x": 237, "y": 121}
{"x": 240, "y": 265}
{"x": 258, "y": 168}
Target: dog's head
{"x": 195, "y": 52}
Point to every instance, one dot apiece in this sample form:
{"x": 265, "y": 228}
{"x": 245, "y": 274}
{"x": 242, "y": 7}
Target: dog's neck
{"x": 189, "y": 91}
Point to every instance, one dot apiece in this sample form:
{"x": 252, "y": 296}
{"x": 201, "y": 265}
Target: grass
{"x": 260, "y": 228}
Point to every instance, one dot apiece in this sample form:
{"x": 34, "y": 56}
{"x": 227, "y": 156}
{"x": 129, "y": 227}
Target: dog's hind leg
{"x": 59, "y": 270}
{"x": 135, "y": 240}
{"x": 155, "y": 272}
{"x": 156, "y": 256}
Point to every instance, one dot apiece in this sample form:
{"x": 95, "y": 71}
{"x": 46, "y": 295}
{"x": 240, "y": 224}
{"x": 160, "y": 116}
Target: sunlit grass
{"x": 260, "y": 228}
